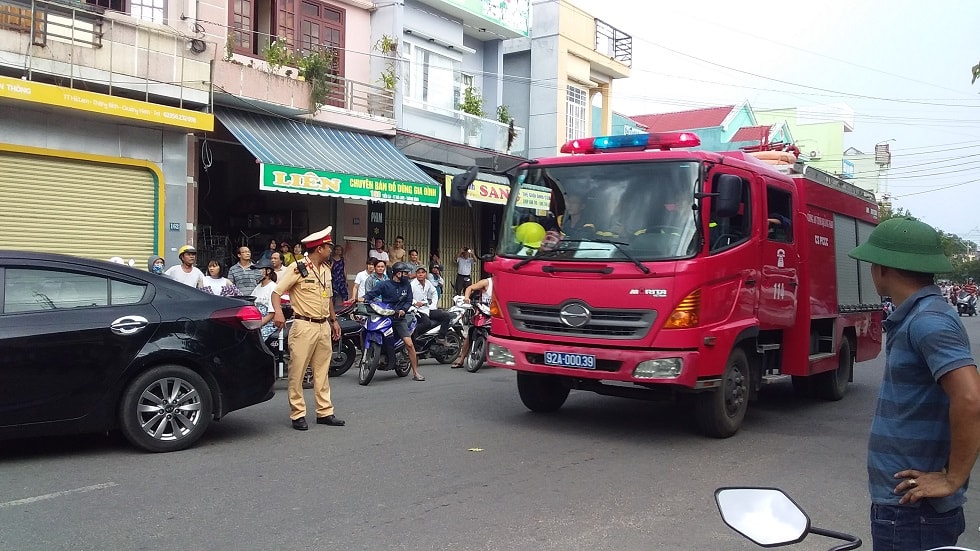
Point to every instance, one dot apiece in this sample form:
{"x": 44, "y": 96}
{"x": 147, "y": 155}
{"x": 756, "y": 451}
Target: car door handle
{"x": 749, "y": 282}
{"x": 129, "y": 325}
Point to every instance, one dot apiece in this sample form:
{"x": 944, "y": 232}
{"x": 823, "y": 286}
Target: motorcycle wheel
{"x": 343, "y": 358}
{"x": 451, "y": 351}
{"x": 369, "y": 364}
{"x": 478, "y": 353}
{"x": 403, "y": 366}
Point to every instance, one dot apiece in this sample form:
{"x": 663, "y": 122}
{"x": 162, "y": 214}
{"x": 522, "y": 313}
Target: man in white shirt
{"x": 277, "y": 265}
{"x": 379, "y": 251}
{"x": 426, "y": 299}
{"x": 186, "y": 272}
{"x": 464, "y": 269}
{"x": 358, "y": 291}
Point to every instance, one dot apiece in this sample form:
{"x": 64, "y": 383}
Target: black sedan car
{"x": 90, "y": 346}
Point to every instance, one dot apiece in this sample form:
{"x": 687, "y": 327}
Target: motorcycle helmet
{"x": 400, "y": 267}
{"x": 186, "y": 249}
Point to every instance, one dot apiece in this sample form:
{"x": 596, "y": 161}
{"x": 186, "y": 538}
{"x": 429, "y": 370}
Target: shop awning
{"x": 487, "y": 188}
{"x": 299, "y": 157}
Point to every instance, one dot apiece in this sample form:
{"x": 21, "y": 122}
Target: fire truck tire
{"x": 832, "y": 385}
{"x": 541, "y": 393}
{"x": 720, "y": 413}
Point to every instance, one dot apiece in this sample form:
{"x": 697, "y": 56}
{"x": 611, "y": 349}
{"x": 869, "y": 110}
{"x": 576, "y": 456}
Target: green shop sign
{"x": 317, "y": 182}
{"x": 513, "y": 14}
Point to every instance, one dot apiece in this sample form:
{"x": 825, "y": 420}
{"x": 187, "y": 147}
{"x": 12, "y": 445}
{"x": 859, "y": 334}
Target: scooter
{"x": 383, "y": 349}
{"x": 770, "y": 518}
{"x": 966, "y": 303}
{"x": 480, "y": 321}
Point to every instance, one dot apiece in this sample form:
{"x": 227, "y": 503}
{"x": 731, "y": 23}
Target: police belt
{"x": 311, "y": 320}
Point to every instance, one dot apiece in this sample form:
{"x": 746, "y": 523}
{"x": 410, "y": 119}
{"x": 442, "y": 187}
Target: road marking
{"x": 27, "y": 500}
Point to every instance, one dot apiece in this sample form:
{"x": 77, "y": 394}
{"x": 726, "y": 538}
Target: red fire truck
{"x": 635, "y": 267}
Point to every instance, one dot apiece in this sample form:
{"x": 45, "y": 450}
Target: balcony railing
{"x": 613, "y": 42}
{"x": 76, "y": 42}
{"x": 456, "y": 126}
{"x": 360, "y": 97}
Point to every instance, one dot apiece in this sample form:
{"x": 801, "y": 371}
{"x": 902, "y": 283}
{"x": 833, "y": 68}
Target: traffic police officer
{"x": 307, "y": 281}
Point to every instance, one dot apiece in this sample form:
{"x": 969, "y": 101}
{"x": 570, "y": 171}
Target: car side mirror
{"x": 728, "y": 196}
{"x": 460, "y": 185}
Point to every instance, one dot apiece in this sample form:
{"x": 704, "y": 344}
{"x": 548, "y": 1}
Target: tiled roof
{"x": 710, "y": 117}
{"x": 751, "y": 134}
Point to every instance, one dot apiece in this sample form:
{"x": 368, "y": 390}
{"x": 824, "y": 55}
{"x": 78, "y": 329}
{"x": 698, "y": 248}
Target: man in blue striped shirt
{"x": 925, "y": 436}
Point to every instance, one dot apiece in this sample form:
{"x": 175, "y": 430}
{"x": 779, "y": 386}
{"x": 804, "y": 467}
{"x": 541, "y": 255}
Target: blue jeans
{"x": 899, "y": 528}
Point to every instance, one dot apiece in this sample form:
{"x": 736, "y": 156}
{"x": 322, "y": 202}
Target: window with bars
{"x": 576, "y": 109}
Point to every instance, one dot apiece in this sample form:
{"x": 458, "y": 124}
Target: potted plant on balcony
{"x": 277, "y": 55}
{"x": 314, "y": 67}
{"x": 472, "y": 104}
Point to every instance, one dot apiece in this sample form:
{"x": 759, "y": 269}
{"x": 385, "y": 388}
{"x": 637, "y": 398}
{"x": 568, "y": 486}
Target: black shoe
{"x": 300, "y": 424}
{"x": 330, "y": 420}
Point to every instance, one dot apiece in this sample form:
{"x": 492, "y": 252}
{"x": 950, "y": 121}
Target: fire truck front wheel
{"x": 541, "y": 393}
{"x": 720, "y": 413}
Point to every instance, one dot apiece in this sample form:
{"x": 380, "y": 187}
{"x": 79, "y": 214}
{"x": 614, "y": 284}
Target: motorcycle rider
{"x": 397, "y": 293}
{"x": 426, "y": 299}
{"x": 970, "y": 287}
{"x": 486, "y": 288}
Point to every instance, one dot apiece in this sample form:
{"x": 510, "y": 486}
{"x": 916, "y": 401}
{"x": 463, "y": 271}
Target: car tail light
{"x": 248, "y": 317}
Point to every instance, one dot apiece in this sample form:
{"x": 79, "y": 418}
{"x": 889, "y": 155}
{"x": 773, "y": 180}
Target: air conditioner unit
{"x": 814, "y": 154}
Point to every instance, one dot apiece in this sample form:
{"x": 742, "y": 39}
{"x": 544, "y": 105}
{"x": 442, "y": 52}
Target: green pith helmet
{"x": 906, "y": 244}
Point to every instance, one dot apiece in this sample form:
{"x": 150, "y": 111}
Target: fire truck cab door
{"x": 780, "y": 290}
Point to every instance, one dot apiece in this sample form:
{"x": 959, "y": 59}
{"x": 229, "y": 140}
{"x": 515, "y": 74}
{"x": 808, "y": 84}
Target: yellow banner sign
{"x": 484, "y": 192}
{"x": 113, "y": 106}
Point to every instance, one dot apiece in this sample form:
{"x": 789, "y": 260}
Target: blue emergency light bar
{"x": 632, "y": 142}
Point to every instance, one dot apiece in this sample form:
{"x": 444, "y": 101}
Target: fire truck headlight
{"x": 663, "y": 368}
{"x": 499, "y": 354}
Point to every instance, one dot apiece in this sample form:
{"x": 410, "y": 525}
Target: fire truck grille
{"x": 605, "y": 323}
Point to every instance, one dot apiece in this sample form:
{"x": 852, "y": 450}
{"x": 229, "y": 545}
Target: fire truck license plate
{"x": 564, "y": 359}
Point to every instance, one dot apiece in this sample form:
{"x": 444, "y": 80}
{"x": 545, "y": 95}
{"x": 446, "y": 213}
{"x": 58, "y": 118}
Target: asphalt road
{"x": 455, "y": 462}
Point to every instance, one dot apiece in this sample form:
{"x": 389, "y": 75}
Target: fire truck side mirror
{"x": 728, "y": 195}
{"x": 460, "y": 185}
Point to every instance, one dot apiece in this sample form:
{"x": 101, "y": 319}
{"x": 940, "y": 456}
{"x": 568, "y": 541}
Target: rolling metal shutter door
{"x": 845, "y": 239}
{"x": 869, "y": 295}
{"x": 88, "y": 209}
{"x": 457, "y": 230}
{"x": 412, "y": 223}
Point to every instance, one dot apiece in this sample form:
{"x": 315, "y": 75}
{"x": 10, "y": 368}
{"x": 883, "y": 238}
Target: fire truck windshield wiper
{"x": 621, "y": 247}
{"x": 540, "y": 255}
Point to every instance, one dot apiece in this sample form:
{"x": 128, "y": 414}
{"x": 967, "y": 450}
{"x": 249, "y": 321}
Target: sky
{"x": 904, "y": 67}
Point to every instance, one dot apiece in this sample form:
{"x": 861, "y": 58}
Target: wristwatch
{"x": 333, "y": 319}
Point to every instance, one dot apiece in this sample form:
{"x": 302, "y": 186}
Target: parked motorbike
{"x": 966, "y": 303}
{"x": 384, "y": 350}
{"x": 424, "y": 338}
{"x": 345, "y": 353}
{"x": 480, "y": 322}
{"x": 770, "y": 518}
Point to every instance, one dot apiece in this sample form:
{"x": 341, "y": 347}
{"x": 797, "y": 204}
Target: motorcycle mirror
{"x": 766, "y": 516}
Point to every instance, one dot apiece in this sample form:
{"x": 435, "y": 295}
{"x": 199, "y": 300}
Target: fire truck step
{"x": 772, "y": 379}
{"x": 766, "y": 347}
{"x": 822, "y": 356}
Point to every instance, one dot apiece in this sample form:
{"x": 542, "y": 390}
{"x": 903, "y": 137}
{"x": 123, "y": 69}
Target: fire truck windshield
{"x": 626, "y": 211}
